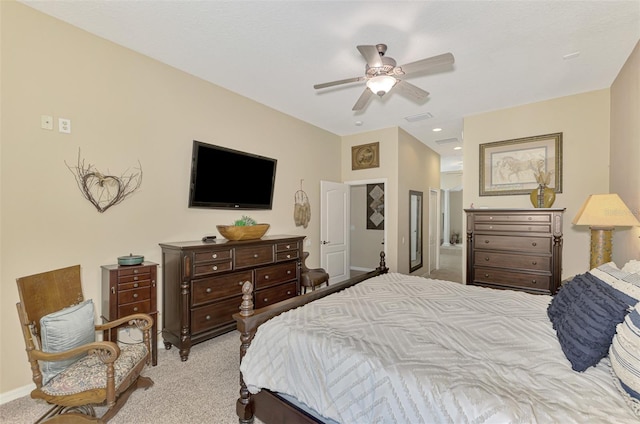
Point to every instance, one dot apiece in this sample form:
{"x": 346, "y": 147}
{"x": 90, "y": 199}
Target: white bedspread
{"x": 404, "y": 349}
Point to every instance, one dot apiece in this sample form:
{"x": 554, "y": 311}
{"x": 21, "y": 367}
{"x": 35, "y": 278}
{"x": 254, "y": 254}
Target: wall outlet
{"x": 64, "y": 125}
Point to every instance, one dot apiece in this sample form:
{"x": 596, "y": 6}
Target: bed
{"x": 392, "y": 348}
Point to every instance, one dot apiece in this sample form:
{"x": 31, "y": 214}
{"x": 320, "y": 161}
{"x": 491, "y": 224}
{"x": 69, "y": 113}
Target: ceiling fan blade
{"x": 371, "y": 55}
{"x": 411, "y": 90}
{"x": 364, "y": 98}
{"x": 424, "y": 64}
{"x": 344, "y": 81}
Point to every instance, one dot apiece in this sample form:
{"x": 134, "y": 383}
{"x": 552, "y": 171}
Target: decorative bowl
{"x": 248, "y": 232}
{"x": 130, "y": 260}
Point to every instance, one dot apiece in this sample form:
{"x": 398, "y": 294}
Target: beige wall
{"x": 419, "y": 171}
{"x": 388, "y": 169}
{"x": 625, "y": 153}
{"x": 584, "y": 121}
{"x": 124, "y": 108}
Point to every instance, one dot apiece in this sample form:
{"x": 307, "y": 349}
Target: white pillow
{"x": 625, "y": 281}
{"x": 63, "y": 330}
{"x": 624, "y": 355}
{"x": 632, "y": 267}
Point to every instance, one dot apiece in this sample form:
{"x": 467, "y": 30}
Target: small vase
{"x": 542, "y": 197}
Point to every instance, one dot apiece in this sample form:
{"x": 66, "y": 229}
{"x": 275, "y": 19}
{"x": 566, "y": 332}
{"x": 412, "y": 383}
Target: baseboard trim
{"x": 16, "y": 393}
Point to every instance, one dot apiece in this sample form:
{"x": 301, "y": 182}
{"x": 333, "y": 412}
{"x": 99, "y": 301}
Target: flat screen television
{"x": 223, "y": 178}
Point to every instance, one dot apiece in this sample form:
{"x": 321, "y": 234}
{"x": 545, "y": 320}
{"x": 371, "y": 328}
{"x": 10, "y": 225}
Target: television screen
{"x": 224, "y": 178}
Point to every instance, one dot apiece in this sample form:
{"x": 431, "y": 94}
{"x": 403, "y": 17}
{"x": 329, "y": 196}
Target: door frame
{"x": 386, "y": 185}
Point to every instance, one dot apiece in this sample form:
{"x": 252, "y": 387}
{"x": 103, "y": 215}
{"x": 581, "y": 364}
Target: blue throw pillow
{"x": 63, "y": 330}
{"x": 585, "y": 313}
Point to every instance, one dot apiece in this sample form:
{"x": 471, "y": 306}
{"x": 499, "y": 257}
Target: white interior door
{"x": 433, "y": 230}
{"x": 334, "y": 230}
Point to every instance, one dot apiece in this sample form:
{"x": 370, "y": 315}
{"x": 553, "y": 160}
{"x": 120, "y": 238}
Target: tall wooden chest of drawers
{"x": 131, "y": 289}
{"x": 202, "y": 283}
{"x": 517, "y": 249}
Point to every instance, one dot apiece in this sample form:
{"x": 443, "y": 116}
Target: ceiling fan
{"x": 382, "y": 74}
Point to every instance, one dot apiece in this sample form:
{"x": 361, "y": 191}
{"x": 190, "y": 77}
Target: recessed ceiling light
{"x": 571, "y": 55}
{"x": 436, "y": 129}
{"x": 457, "y": 148}
{"x": 358, "y": 123}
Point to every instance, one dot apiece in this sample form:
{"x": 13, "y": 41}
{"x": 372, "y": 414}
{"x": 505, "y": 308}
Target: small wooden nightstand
{"x": 130, "y": 289}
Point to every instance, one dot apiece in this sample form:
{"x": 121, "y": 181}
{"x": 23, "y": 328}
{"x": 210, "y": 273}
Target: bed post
{"x": 244, "y": 405}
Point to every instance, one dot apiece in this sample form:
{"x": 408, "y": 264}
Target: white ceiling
{"x": 507, "y": 53}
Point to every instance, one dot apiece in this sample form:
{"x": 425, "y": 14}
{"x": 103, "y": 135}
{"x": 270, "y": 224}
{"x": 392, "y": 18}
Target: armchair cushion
{"x": 90, "y": 372}
{"x": 63, "y": 330}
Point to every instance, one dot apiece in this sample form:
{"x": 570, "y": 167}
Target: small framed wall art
{"x": 365, "y": 156}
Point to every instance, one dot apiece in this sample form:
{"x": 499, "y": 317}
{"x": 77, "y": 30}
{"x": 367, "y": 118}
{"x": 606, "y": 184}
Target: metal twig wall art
{"x": 103, "y": 190}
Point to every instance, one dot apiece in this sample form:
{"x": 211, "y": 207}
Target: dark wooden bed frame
{"x": 266, "y": 405}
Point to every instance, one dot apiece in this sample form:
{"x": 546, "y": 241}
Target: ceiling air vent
{"x": 420, "y": 117}
{"x": 447, "y": 141}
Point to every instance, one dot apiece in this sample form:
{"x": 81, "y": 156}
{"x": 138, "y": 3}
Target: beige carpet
{"x": 203, "y": 389}
{"x": 450, "y": 264}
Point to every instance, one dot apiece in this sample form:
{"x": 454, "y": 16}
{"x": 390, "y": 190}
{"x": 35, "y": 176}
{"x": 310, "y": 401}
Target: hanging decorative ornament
{"x": 301, "y": 208}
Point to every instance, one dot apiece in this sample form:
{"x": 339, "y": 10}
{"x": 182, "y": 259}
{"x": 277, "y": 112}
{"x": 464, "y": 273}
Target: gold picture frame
{"x": 507, "y": 167}
{"x": 365, "y": 156}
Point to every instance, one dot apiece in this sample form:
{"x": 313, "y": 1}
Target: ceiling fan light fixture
{"x": 381, "y": 84}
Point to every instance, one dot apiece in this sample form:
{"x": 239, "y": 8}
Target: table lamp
{"x": 603, "y": 212}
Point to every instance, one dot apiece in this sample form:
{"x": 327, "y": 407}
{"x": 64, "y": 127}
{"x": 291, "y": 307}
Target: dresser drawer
{"x": 133, "y": 277}
{"x": 510, "y": 278}
{"x": 135, "y": 295}
{"x": 521, "y": 228}
{"x": 211, "y": 268}
{"x": 212, "y": 316}
{"x": 212, "y": 255}
{"x": 512, "y": 218}
{"x": 286, "y": 256}
{"x": 512, "y": 260}
{"x": 135, "y": 308}
{"x": 270, "y": 275}
{"x": 283, "y": 247}
{"x": 141, "y": 270}
{"x": 513, "y": 243}
{"x": 252, "y": 256}
{"x": 275, "y": 294}
{"x": 214, "y": 288}
{"x": 133, "y": 284}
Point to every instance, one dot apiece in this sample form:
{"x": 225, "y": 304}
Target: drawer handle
{"x": 215, "y": 255}
{"x": 490, "y": 218}
{"x": 135, "y": 309}
{"x": 288, "y": 246}
{"x": 530, "y": 218}
{"x": 266, "y": 277}
{"x": 135, "y": 285}
{"x": 266, "y": 299}
{"x": 533, "y": 281}
{"x": 135, "y": 278}
{"x": 135, "y": 271}
{"x": 208, "y": 290}
{"x": 240, "y": 283}
{"x": 486, "y": 241}
{"x": 288, "y": 272}
{"x": 486, "y": 275}
{"x": 534, "y": 263}
{"x": 135, "y": 295}
{"x": 288, "y": 292}
{"x": 215, "y": 267}
{"x": 255, "y": 255}
{"x": 208, "y": 317}
{"x": 534, "y": 244}
{"x": 491, "y": 227}
{"x": 486, "y": 259}
{"x": 288, "y": 256}
{"x": 113, "y": 290}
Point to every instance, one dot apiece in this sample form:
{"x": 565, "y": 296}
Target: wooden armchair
{"x": 71, "y": 370}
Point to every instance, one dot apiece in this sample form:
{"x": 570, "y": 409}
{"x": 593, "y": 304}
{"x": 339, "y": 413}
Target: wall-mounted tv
{"x": 223, "y": 178}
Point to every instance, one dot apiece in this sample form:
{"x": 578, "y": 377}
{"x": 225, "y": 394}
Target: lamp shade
{"x": 605, "y": 211}
{"x": 381, "y": 84}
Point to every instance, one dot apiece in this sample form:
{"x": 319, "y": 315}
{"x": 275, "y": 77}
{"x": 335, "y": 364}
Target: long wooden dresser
{"x": 202, "y": 283}
{"x": 517, "y": 249}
